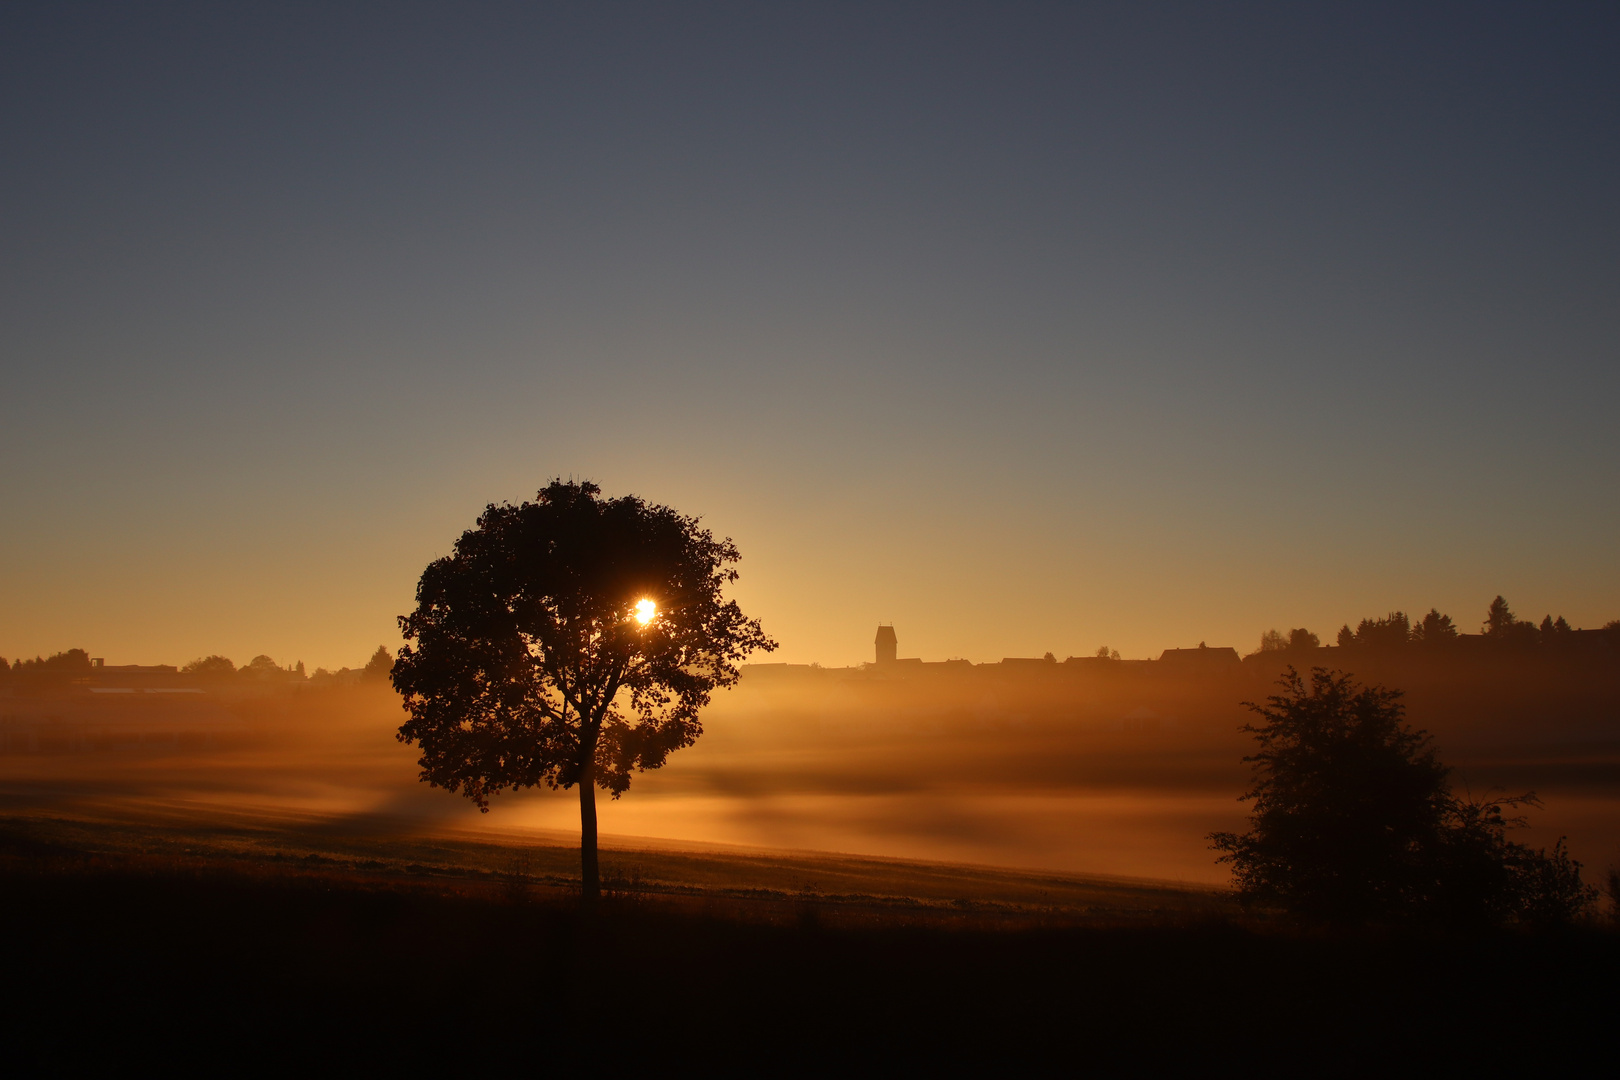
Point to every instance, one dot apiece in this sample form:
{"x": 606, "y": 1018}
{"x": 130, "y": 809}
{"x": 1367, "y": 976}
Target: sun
{"x": 645, "y": 610}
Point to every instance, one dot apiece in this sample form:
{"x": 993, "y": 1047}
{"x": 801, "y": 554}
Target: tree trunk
{"x": 590, "y": 882}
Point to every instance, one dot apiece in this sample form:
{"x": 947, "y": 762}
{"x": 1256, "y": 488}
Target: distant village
{"x": 1432, "y": 634}
{"x": 73, "y": 701}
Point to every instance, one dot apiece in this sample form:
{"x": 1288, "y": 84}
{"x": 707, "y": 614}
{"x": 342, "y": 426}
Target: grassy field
{"x": 770, "y": 886}
{"x": 251, "y": 944}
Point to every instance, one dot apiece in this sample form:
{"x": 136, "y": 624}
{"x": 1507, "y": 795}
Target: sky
{"x": 1022, "y": 327}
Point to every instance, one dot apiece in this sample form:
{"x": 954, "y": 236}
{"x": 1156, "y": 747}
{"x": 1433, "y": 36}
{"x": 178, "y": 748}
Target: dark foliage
{"x": 1500, "y": 622}
{"x": 1298, "y": 639}
{"x": 1500, "y": 627}
{"x": 378, "y": 667}
{"x": 72, "y": 663}
{"x": 48, "y": 675}
{"x": 1391, "y": 632}
{"x": 1354, "y": 822}
{"x": 58, "y": 669}
{"x": 214, "y": 667}
{"x": 525, "y": 663}
{"x": 1434, "y": 629}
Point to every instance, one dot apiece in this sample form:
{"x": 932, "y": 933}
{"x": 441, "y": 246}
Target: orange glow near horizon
{"x": 1087, "y": 411}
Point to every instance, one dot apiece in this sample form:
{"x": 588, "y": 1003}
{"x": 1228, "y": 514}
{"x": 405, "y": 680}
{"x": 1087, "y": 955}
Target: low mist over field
{"x": 1090, "y": 765}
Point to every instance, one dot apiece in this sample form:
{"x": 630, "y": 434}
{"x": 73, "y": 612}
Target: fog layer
{"x": 1094, "y": 766}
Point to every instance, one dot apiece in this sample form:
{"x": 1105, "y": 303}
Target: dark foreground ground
{"x": 137, "y": 953}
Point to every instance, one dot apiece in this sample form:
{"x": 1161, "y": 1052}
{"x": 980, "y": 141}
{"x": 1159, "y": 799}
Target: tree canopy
{"x": 1354, "y": 821}
{"x": 214, "y": 666}
{"x": 55, "y": 671}
{"x": 568, "y": 641}
{"x": 378, "y": 667}
{"x": 1297, "y": 639}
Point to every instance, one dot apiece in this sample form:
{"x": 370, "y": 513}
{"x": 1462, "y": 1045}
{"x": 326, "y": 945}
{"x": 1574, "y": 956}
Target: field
{"x": 251, "y": 942}
{"x": 1112, "y": 773}
{"x": 287, "y": 895}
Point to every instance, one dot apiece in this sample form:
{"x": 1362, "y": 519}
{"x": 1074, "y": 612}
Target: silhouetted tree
{"x": 73, "y": 662}
{"x": 1353, "y": 821}
{"x": 261, "y": 668}
{"x": 210, "y": 667}
{"x": 1296, "y": 639}
{"x": 567, "y": 642}
{"x": 1499, "y": 618}
{"x": 1434, "y": 629}
{"x": 1554, "y": 633}
{"x": 54, "y": 671}
{"x": 1502, "y": 626}
{"x": 265, "y": 672}
{"x": 1549, "y": 890}
{"x": 378, "y": 667}
{"x": 1392, "y": 631}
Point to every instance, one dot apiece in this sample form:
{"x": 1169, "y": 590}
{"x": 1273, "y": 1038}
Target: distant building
{"x": 1029, "y": 663}
{"x": 140, "y": 676}
{"x": 1203, "y": 657}
{"x": 888, "y": 646}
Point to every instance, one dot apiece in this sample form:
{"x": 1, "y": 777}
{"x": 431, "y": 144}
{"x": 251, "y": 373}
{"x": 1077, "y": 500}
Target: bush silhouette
{"x": 1354, "y": 822}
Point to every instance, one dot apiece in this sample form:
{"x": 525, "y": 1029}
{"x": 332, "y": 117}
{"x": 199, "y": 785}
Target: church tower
{"x": 888, "y": 646}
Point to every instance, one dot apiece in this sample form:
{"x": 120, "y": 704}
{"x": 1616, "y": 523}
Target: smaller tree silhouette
{"x": 1499, "y": 618}
{"x": 1434, "y": 628}
{"x": 1298, "y": 638}
{"x": 378, "y": 667}
{"x": 1354, "y": 822}
{"x": 1391, "y": 632}
{"x": 210, "y": 667}
{"x": 1503, "y": 626}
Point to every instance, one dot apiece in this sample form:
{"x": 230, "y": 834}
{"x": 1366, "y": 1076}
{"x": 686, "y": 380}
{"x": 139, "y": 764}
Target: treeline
{"x": 74, "y": 666}
{"x": 264, "y": 670}
{"x": 1397, "y": 630}
{"x": 44, "y": 672}
{"x": 75, "y": 663}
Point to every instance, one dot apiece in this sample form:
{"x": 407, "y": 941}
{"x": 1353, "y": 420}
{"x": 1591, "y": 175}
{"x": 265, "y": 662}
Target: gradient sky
{"x": 1024, "y": 327}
